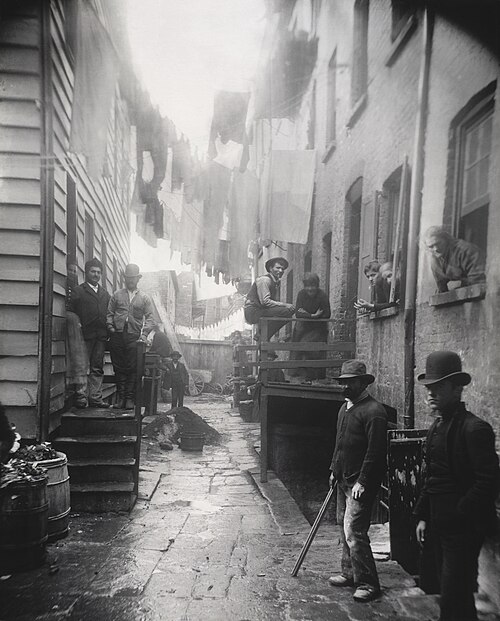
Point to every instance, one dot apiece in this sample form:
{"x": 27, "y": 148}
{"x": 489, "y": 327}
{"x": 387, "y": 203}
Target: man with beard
{"x": 263, "y": 299}
{"x": 358, "y": 465}
{"x": 460, "y": 485}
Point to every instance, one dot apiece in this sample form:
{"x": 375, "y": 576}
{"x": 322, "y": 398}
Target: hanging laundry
{"x": 228, "y": 130}
{"x": 181, "y": 163}
{"x": 219, "y": 180}
{"x": 243, "y": 214}
{"x": 96, "y": 75}
{"x": 287, "y": 189}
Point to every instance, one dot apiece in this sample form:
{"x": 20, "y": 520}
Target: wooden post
{"x": 264, "y": 454}
{"x": 141, "y": 350}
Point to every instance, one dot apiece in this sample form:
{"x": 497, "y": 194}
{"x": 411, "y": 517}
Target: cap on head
{"x": 441, "y": 365}
{"x": 132, "y": 270}
{"x": 271, "y": 262}
{"x": 354, "y": 369}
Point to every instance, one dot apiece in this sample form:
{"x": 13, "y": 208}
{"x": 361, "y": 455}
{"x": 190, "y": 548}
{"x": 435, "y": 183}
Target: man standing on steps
{"x": 129, "y": 320}
{"x": 457, "y": 500}
{"x": 89, "y": 302}
{"x": 358, "y": 465}
{"x": 263, "y": 299}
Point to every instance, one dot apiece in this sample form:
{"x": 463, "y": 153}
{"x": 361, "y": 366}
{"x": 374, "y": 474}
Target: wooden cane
{"x": 313, "y": 531}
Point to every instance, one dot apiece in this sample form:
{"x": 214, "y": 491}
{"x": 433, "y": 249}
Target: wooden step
{"x": 98, "y": 422}
{"x": 103, "y": 496}
{"x": 101, "y": 470}
{"x": 96, "y": 447}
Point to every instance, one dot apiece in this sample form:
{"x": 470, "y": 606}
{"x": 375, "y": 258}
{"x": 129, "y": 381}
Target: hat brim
{"x": 367, "y": 376}
{"x": 428, "y": 381}
{"x": 270, "y": 262}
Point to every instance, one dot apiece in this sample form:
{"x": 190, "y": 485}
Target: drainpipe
{"x": 46, "y": 228}
{"x": 417, "y": 181}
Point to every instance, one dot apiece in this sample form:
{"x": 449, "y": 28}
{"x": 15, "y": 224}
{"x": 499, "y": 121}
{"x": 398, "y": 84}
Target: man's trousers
{"x": 93, "y": 384}
{"x": 353, "y": 516}
{"x": 177, "y": 395}
{"x": 123, "y": 348}
{"x": 253, "y": 315}
{"x": 456, "y": 547}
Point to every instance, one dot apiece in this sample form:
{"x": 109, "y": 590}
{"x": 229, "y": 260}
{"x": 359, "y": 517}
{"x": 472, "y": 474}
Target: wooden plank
{"x": 20, "y": 32}
{"x": 20, "y": 243}
{"x": 19, "y": 59}
{"x": 20, "y": 166}
{"x": 60, "y": 262}
{"x": 18, "y": 319}
{"x": 24, "y": 368}
{"x": 20, "y": 217}
{"x": 19, "y": 293}
{"x": 59, "y": 305}
{"x": 58, "y": 348}
{"x": 18, "y": 393}
{"x": 338, "y": 346}
{"x": 19, "y": 140}
{"x": 264, "y": 437}
{"x": 297, "y": 364}
{"x": 59, "y": 364}
{"x": 19, "y": 86}
{"x": 19, "y": 113}
{"x": 19, "y": 191}
{"x": 56, "y": 405}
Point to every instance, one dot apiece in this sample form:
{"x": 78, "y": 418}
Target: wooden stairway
{"x": 102, "y": 447}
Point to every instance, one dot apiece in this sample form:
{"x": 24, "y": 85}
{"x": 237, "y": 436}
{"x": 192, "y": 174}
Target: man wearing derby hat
{"x": 129, "y": 319}
{"x": 263, "y": 297}
{"x": 457, "y": 500}
{"x": 176, "y": 378}
{"x": 358, "y": 465}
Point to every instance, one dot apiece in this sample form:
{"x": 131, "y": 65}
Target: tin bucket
{"x": 192, "y": 441}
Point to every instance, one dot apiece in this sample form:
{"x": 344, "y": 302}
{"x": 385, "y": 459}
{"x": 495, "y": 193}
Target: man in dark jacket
{"x": 90, "y": 302}
{"x": 358, "y": 465}
{"x": 176, "y": 378}
{"x": 263, "y": 299}
{"x": 460, "y": 485}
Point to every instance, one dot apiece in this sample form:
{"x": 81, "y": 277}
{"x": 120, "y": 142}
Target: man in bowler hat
{"x": 457, "y": 500}
{"x": 176, "y": 378}
{"x": 129, "y": 320}
{"x": 263, "y": 299}
{"x": 358, "y": 465}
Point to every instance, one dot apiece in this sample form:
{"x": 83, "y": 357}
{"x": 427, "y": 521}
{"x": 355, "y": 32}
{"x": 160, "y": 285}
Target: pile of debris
{"x": 19, "y": 471}
{"x": 37, "y": 452}
{"x": 168, "y": 427}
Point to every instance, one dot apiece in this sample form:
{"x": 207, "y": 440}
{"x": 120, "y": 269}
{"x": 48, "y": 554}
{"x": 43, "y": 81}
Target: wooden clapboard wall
{"x": 20, "y": 143}
{"x": 101, "y": 218}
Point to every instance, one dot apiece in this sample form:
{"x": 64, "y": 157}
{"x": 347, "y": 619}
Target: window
{"x": 327, "y": 261}
{"x": 89, "y": 237}
{"x": 104, "y": 261}
{"x": 471, "y": 201}
{"x": 360, "y": 51}
{"x": 402, "y": 11}
{"x": 115, "y": 274}
{"x": 70, "y": 26}
{"x": 308, "y": 262}
{"x": 388, "y": 215}
{"x": 71, "y": 213}
{"x": 331, "y": 100}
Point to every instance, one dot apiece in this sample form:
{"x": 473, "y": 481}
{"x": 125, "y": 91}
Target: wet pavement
{"x": 207, "y": 543}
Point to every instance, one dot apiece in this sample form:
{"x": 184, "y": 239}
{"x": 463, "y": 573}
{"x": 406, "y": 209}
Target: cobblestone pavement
{"x": 209, "y": 545}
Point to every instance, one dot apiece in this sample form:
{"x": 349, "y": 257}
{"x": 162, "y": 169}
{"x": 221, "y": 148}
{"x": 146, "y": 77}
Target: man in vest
{"x": 129, "y": 319}
{"x": 89, "y": 302}
{"x": 263, "y": 297}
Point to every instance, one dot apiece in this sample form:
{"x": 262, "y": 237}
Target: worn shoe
{"x": 128, "y": 404}
{"x": 341, "y": 581}
{"x": 366, "y": 593}
{"x": 98, "y": 404}
{"x": 81, "y": 405}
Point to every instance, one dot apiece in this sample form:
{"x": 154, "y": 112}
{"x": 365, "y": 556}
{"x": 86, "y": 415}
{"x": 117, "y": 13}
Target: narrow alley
{"x": 209, "y": 544}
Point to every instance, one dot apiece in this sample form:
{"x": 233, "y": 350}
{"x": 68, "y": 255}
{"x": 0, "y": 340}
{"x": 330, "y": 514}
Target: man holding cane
{"x": 358, "y": 465}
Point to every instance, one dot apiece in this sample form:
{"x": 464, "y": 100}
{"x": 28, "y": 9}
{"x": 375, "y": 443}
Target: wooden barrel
{"x": 23, "y": 525}
{"x": 57, "y": 496}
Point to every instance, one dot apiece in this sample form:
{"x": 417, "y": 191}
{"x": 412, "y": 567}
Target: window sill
{"x": 392, "y": 311}
{"x": 457, "y": 296}
{"x": 330, "y": 148}
{"x": 357, "y": 110}
{"x": 401, "y": 40}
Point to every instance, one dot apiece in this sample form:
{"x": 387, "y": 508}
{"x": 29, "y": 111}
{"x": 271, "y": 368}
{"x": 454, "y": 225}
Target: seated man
{"x": 263, "y": 297}
{"x": 454, "y": 262}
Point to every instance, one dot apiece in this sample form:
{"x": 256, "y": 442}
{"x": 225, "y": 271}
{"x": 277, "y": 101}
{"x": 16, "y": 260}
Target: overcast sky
{"x": 185, "y": 50}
